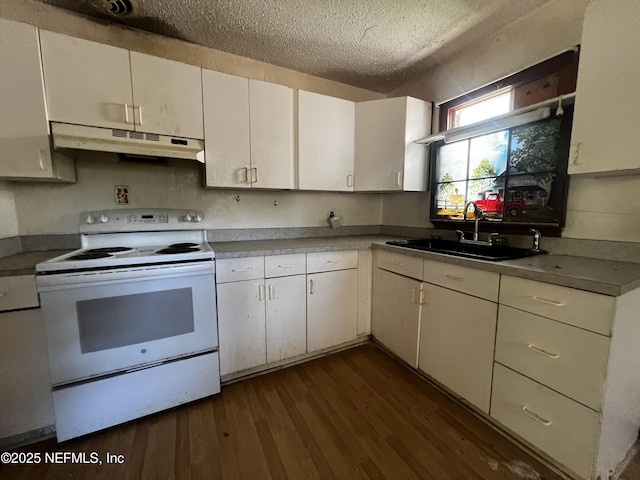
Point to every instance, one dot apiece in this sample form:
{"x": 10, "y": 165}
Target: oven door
{"x": 111, "y": 321}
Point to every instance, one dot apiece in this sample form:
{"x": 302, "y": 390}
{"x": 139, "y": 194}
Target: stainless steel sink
{"x": 493, "y": 253}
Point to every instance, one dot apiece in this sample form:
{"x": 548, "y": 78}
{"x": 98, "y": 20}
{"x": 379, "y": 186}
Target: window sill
{"x": 493, "y": 227}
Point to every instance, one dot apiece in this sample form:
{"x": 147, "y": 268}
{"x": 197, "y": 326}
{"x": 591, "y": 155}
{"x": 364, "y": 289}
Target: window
{"x": 518, "y": 175}
{"x": 476, "y": 111}
{"x": 514, "y": 175}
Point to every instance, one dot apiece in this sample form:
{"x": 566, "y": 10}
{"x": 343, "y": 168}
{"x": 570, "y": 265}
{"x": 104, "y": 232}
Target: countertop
{"x": 252, "y": 248}
{"x": 606, "y": 277}
{"x": 25, "y": 263}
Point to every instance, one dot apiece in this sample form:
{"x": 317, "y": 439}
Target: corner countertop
{"x": 606, "y": 277}
{"x": 25, "y": 263}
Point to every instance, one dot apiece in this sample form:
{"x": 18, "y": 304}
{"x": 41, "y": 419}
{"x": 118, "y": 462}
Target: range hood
{"x": 80, "y": 137}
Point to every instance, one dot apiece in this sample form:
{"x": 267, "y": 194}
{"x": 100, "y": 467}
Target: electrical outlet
{"x": 122, "y": 194}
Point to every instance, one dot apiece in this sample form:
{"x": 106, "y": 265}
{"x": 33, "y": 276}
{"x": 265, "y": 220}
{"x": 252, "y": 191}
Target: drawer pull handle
{"x": 540, "y": 351}
{"x": 238, "y": 270}
{"x": 287, "y": 265}
{"x": 261, "y": 292}
{"x": 332, "y": 262}
{"x": 395, "y": 262}
{"x": 422, "y": 299}
{"x": 272, "y": 292}
{"x": 311, "y": 287}
{"x": 413, "y": 296}
{"x": 535, "y": 416}
{"x": 454, "y": 277}
{"x": 548, "y": 302}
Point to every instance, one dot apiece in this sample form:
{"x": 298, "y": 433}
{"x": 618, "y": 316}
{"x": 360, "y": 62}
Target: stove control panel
{"x": 148, "y": 218}
{"x": 140, "y": 220}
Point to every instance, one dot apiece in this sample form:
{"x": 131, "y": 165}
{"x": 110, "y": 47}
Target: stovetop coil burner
{"x": 90, "y": 256}
{"x": 109, "y": 250}
{"x": 173, "y": 250}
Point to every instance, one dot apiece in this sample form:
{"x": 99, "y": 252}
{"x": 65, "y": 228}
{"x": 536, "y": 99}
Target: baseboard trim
{"x": 27, "y": 438}
{"x": 290, "y": 362}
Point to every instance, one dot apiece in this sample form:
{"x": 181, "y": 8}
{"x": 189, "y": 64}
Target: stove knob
{"x": 90, "y": 220}
{"x": 197, "y": 218}
{"x": 187, "y": 217}
{"x": 103, "y": 218}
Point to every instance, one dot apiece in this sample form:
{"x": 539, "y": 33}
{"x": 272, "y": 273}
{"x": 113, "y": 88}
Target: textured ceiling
{"x": 374, "y": 44}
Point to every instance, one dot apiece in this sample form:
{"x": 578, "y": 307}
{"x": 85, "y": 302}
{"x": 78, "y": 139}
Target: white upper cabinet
{"x": 93, "y": 84}
{"x": 249, "y": 132}
{"x": 271, "y": 121}
{"x": 227, "y": 136}
{"x": 606, "y": 120}
{"x": 386, "y": 159}
{"x": 25, "y": 150}
{"x": 326, "y": 136}
{"x": 167, "y": 96}
{"x": 87, "y": 83}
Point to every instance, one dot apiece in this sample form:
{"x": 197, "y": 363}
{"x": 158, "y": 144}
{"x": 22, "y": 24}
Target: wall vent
{"x": 116, "y": 8}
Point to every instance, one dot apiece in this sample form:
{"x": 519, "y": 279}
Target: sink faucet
{"x": 536, "y": 239}
{"x": 476, "y": 214}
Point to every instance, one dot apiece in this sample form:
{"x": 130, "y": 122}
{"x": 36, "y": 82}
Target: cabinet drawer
{"x": 463, "y": 279}
{"x": 564, "y": 429}
{"x": 564, "y": 358}
{"x": 587, "y": 310}
{"x": 18, "y": 292}
{"x": 329, "y": 261}
{"x": 236, "y": 269}
{"x": 398, "y": 263}
{"x": 284, "y": 265}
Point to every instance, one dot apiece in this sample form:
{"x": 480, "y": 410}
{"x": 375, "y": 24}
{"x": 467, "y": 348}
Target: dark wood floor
{"x": 356, "y": 414}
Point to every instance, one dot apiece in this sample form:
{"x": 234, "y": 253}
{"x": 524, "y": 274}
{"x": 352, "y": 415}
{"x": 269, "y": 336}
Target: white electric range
{"x": 130, "y": 318}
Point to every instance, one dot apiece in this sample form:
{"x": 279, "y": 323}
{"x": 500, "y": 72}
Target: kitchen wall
{"x": 545, "y": 32}
{"x": 51, "y": 208}
{"x": 605, "y": 208}
{"x": 54, "y": 208}
{"x": 8, "y": 218}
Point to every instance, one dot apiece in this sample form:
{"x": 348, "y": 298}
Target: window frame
{"x": 564, "y": 67}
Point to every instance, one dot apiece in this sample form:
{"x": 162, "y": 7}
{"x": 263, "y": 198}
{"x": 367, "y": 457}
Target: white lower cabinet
{"x": 457, "y": 339}
{"x": 396, "y": 314}
{"x": 241, "y": 325}
{"x": 267, "y": 315}
{"x": 286, "y": 317}
{"x": 562, "y": 428}
{"x": 445, "y": 332}
{"x": 332, "y": 308}
{"x": 556, "y": 366}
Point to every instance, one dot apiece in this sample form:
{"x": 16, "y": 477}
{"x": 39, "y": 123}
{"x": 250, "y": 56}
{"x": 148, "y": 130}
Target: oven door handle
{"x": 122, "y": 275}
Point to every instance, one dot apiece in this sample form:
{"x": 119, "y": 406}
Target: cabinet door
{"x": 379, "y": 134}
{"x": 87, "y": 83}
{"x": 167, "y": 96}
{"x": 286, "y": 317}
{"x": 226, "y": 123}
{"x": 25, "y": 399}
{"x": 332, "y": 308}
{"x": 241, "y": 325}
{"x": 272, "y": 135}
{"x": 396, "y": 314}
{"x": 457, "y": 339}
{"x": 386, "y": 158}
{"x": 326, "y": 129}
{"x": 25, "y": 151}
{"x": 606, "y": 120}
